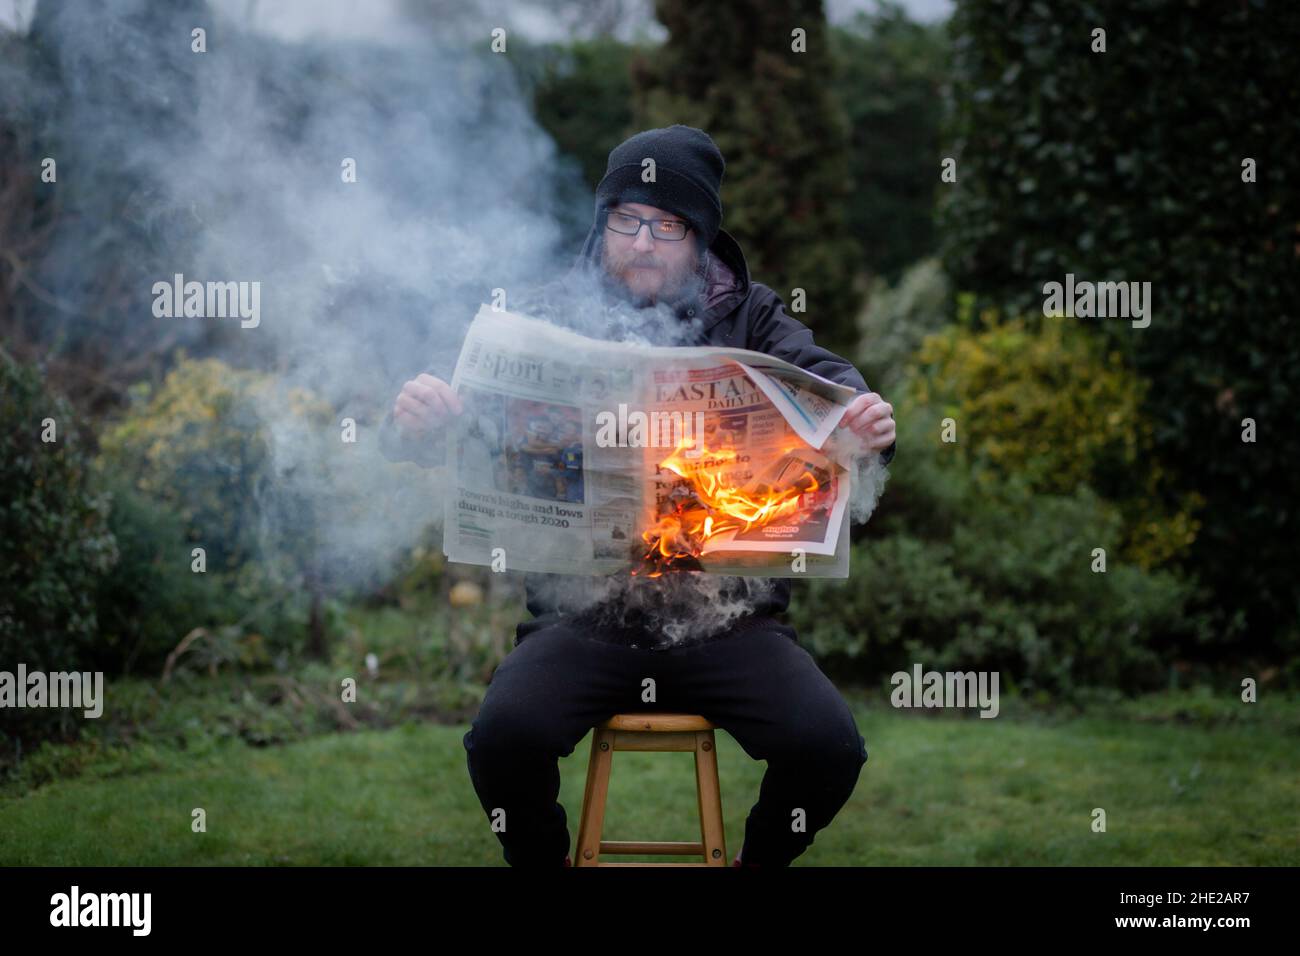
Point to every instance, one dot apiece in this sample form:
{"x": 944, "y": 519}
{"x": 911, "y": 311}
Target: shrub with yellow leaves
{"x": 1048, "y": 405}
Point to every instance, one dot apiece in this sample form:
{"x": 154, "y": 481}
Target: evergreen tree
{"x": 739, "y": 70}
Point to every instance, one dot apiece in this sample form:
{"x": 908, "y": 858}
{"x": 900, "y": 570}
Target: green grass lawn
{"x": 939, "y": 790}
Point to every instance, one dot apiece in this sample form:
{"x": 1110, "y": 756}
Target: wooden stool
{"x": 654, "y": 732}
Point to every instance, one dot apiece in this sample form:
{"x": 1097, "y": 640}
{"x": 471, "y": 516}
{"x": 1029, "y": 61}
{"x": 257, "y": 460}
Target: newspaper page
{"x": 582, "y": 456}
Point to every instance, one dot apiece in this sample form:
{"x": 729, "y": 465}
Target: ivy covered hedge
{"x": 1127, "y": 165}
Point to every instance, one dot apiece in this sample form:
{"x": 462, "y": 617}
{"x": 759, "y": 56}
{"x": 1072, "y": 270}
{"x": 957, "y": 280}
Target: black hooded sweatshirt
{"x": 722, "y": 307}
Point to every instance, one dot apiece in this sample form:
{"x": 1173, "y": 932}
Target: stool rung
{"x": 603, "y": 864}
{"x": 651, "y": 847}
{"x": 656, "y": 742}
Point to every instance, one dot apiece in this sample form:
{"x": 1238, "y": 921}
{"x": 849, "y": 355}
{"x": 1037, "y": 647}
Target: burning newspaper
{"x": 581, "y": 456}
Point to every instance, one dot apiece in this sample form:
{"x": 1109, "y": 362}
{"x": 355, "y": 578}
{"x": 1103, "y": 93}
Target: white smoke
{"x": 243, "y": 151}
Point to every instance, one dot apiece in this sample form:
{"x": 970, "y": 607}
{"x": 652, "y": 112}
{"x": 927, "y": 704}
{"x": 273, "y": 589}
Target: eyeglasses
{"x": 629, "y": 225}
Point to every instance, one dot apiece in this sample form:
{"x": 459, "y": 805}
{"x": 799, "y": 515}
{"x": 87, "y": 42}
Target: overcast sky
{"x": 385, "y": 21}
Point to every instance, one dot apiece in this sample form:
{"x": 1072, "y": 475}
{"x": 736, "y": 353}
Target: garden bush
{"x": 55, "y": 540}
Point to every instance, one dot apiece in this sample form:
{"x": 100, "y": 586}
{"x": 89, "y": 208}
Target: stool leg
{"x": 592, "y": 821}
{"x": 709, "y": 792}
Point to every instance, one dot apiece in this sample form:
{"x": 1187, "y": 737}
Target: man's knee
{"x": 838, "y": 757}
{"x": 511, "y": 728}
{"x": 832, "y": 748}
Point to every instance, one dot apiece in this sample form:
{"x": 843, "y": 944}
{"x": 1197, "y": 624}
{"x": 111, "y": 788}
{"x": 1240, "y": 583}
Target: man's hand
{"x": 871, "y": 418}
{"x": 425, "y": 404}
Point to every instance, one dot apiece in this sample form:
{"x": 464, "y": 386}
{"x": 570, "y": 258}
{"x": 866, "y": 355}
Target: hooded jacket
{"x": 723, "y": 307}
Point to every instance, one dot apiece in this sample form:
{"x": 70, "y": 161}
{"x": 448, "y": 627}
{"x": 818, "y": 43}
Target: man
{"x": 661, "y": 243}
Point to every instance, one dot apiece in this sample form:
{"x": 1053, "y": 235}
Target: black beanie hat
{"x": 688, "y": 170}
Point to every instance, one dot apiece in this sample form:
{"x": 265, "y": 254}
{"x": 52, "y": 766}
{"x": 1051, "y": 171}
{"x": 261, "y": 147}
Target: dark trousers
{"x": 755, "y": 682}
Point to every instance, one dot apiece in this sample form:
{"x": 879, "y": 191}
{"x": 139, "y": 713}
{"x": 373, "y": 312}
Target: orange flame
{"x": 707, "y": 506}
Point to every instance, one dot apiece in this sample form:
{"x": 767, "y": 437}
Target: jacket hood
{"x": 724, "y": 284}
